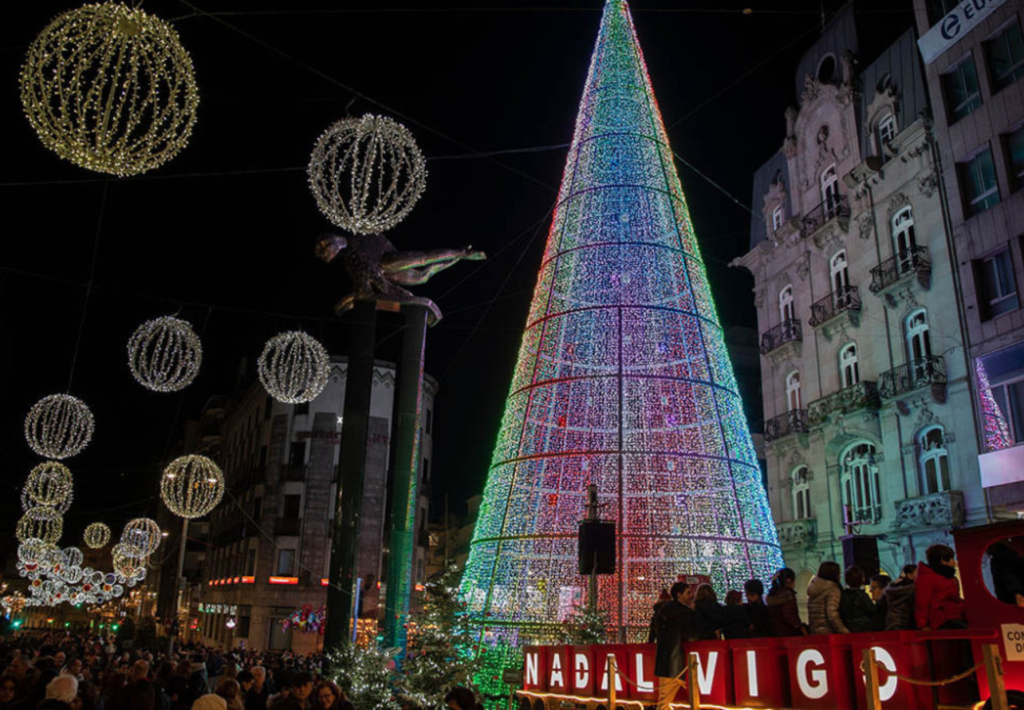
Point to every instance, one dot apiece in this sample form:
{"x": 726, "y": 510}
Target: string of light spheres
{"x": 110, "y": 88}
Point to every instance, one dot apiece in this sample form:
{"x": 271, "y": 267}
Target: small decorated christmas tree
{"x": 367, "y": 675}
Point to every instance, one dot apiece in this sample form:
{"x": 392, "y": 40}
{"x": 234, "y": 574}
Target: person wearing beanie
{"x": 59, "y": 693}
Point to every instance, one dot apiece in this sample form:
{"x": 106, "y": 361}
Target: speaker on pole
{"x": 861, "y": 550}
{"x": 597, "y": 547}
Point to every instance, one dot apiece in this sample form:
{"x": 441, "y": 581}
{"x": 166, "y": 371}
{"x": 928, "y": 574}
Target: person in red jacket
{"x": 937, "y": 602}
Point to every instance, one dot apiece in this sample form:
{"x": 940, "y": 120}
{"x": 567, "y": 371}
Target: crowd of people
{"x": 926, "y": 596}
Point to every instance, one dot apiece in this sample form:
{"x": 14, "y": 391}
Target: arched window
{"x": 934, "y": 461}
{"x": 860, "y": 483}
{"x": 786, "y": 310}
{"x": 793, "y": 391}
{"x": 778, "y": 218}
{"x": 848, "y": 371}
{"x": 801, "y": 493}
{"x": 905, "y": 241}
{"x": 919, "y": 343}
{"x": 885, "y": 131}
{"x": 840, "y": 276}
{"x": 830, "y": 191}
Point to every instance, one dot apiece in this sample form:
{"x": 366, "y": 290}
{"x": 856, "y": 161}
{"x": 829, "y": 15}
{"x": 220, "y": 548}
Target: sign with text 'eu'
{"x": 954, "y": 27}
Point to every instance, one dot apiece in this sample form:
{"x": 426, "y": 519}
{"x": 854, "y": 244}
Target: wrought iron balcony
{"x": 792, "y": 422}
{"x": 835, "y": 304}
{"x": 785, "y": 332}
{"x": 909, "y": 261}
{"x": 937, "y": 510}
{"x": 798, "y": 533}
{"x": 863, "y": 395}
{"x": 837, "y": 207}
{"x": 909, "y": 376}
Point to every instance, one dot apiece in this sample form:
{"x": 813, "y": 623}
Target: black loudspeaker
{"x": 861, "y": 550}
{"x": 597, "y": 547}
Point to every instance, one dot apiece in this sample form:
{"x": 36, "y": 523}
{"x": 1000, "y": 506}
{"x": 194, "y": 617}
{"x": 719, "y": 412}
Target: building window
{"x": 996, "y": 285}
{"x": 429, "y": 423}
{"x": 426, "y": 470}
{"x": 830, "y": 191}
{"x": 302, "y": 408}
{"x": 257, "y": 508}
{"x": 885, "y": 132}
{"x": 297, "y": 453}
{"x": 860, "y": 483}
{"x": 285, "y": 562}
{"x": 778, "y": 218}
{"x": 937, "y": 9}
{"x": 801, "y": 494}
{"x": 1006, "y": 57}
{"x": 919, "y": 344}
{"x": 793, "y": 391}
{"x": 904, "y": 239}
{"x": 839, "y": 277}
{"x": 934, "y": 461}
{"x": 292, "y": 505}
{"x": 250, "y": 564}
{"x": 1001, "y": 388}
{"x": 1014, "y": 141}
{"x": 849, "y": 372}
{"x": 978, "y": 180}
{"x": 786, "y": 310}
{"x": 961, "y": 87}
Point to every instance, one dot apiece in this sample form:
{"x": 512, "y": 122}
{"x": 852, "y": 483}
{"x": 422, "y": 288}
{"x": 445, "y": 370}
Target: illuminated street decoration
{"x": 164, "y": 354}
{"x": 59, "y": 426}
{"x": 623, "y": 381}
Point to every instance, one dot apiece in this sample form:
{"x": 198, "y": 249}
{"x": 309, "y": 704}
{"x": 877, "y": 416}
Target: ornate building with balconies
{"x": 867, "y": 404}
{"x": 270, "y": 539}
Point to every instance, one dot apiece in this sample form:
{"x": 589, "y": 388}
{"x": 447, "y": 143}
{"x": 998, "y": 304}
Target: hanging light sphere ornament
{"x": 42, "y": 523}
{"x": 59, "y": 426}
{"x": 110, "y": 88}
{"x": 139, "y": 539}
{"x": 97, "y": 535}
{"x": 48, "y": 484}
{"x": 367, "y": 173}
{"x": 294, "y": 367}
{"x": 164, "y": 354}
{"x": 192, "y": 486}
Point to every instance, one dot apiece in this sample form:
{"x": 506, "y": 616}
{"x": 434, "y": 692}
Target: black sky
{"x": 230, "y": 222}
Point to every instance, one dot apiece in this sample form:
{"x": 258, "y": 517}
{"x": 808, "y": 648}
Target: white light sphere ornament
{"x": 367, "y": 173}
{"x": 164, "y": 354}
{"x": 110, "y": 88}
{"x": 192, "y": 486}
{"x": 49, "y": 484}
{"x": 294, "y": 367}
{"x": 139, "y": 539}
{"x": 42, "y": 523}
{"x": 59, "y": 426}
{"x": 97, "y": 535}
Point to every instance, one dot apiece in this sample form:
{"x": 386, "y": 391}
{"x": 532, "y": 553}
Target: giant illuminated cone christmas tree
{"x": 623, "y": 381}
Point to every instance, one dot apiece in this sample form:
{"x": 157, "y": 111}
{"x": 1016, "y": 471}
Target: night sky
{"x": 224, "y": 233}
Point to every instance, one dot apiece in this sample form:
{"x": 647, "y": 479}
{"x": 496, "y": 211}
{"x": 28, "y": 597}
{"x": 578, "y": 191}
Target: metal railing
{"x": 834, "y": 207}
{"x": 835, "y": 304}
{"x": 792, "y": 422}
{"x": 909, "y": 261}
{"x": 863, "y": 395}
{"x": 777, "y": 336}
{"x": 909, "y": 376}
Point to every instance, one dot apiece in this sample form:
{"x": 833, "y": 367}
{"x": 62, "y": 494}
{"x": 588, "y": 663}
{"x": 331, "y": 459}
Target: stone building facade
{"x": 866, "y": 387}
{"x": 271, "y": 537}
{"x": 974, "y": 63}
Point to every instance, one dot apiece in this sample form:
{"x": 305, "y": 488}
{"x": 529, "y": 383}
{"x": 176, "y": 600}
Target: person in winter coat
{"x": 783, "y": 614}
{"x": 662, "y": 598}
{"x": 675, "y": 622}
{"x": 712, "y": 619}
{"x": 855, "y": 606}
{"x": 937, "y": 602}
{"x": 757, "y": 612}
{"x": 1007, "y": 569}
{"x": 823, "y": 595}
{"x": 879, "y": 583}
{"x": 899, "y": 601}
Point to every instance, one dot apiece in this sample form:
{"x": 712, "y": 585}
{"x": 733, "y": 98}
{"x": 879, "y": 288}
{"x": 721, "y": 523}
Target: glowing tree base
{"x": 623, "y": 380}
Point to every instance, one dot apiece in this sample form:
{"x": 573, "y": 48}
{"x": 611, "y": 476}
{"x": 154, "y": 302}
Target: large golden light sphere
{"x": 110, "y": 88}
{"x": 97, "y": 535}
{"x": 140, "y": 538}
{"x": 367, "y": 173}
{"x": 48, "y": 484}
{"x": 42, "y": 523}
{"x": 294, "y": 367}
{"x": 192, "y": 486}
{"x": 59, "y": 426}
{"x": 164, "y": 354}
